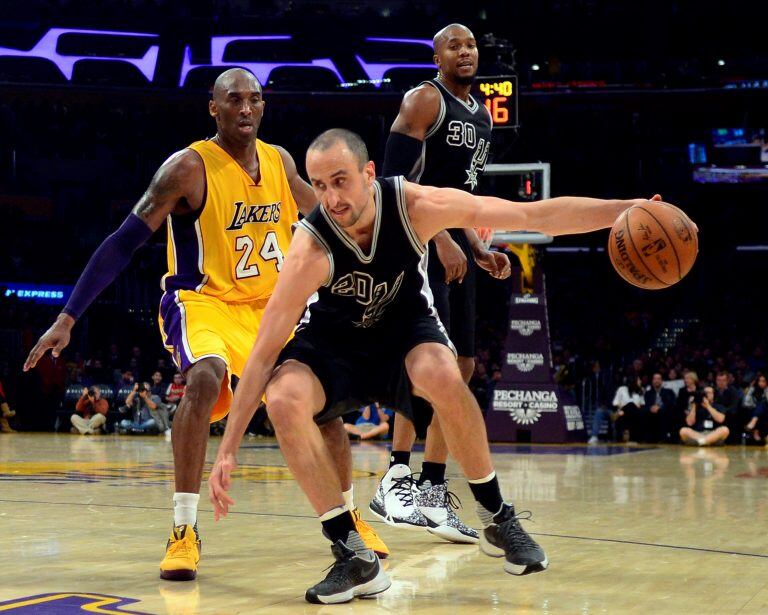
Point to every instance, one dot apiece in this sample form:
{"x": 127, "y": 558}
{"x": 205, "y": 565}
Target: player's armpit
{"x": 178, "y": 186}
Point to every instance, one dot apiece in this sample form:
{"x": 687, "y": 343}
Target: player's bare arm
{"x": 433, "y": 209}
{"x": 418, "y": 112}
{"x": 305, "y": 269}
{"x": 178, "y": 186}
{"x": 302, "y": 192}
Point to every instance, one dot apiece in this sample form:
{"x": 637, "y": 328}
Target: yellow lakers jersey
{"x": 233, "y": 247}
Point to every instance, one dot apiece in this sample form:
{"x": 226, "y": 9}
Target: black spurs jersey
{"x": 371, "y": 292}
{"x": 455, "y": 148}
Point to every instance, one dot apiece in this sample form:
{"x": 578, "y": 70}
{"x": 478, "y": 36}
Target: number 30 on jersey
{"x": 269, "y": 251}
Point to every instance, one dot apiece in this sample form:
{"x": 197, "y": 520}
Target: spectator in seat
{"x": 628, "y": 402}
{"x": 5, "y": 413}
{"x": 687, "y": 393}
{"x": 704, "y": 422}
{"x": 373, "y": 423}
{"x": 659, "y": 411}
{"x": 730, "y": 398}
{"x": 673, "y": 382}
{"x": 175, "y": 392}
{"x": 726, "y": 394}
{"x": 756, "y": 404}
{"x": 90, "y": 412}
{"x": 158, "y": 387}
{"x": 126, "y": 380}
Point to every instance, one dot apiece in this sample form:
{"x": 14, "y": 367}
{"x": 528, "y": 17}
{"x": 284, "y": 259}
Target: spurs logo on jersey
{"x": 251, "y": 214}
{"x": 374, "y": 289}
{"x": 457, "y": 145}
{"x": 376, "y": 297}
{"x": 478, "y": 163}
{"x": 464, "y": 134}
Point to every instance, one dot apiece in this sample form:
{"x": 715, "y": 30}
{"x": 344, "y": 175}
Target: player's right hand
{"x": 219, "y": 483}
{"x": 57, "y": 337}
{"x": 453, "y": 259}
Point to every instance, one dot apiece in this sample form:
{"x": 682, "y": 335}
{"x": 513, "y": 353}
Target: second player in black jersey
{"x": 442, "y": 137}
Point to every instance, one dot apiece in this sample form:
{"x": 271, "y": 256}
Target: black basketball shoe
{"x": 352, "y": 574}
{"x": 505, "y": 537}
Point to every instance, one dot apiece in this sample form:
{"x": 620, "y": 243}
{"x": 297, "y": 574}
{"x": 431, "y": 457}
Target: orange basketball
{"x": 653, "y": 245}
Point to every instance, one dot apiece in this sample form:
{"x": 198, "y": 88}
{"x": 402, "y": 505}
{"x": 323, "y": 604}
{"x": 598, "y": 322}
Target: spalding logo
{"x": 625, "y": 262}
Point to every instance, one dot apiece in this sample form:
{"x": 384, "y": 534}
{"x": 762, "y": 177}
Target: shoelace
{"x": 452, "y": 500}
{"x": 515, "y": 533}
{"x": 403, "y": 488}
{"x": 338, "y": 570}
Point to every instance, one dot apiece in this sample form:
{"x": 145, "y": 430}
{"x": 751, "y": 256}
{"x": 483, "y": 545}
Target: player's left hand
{"x": 495, "y": 263}
{"x": 219, "y": 483}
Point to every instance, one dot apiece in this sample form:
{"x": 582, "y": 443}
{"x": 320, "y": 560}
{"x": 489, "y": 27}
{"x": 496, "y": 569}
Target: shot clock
{"x": 499, "y": 95}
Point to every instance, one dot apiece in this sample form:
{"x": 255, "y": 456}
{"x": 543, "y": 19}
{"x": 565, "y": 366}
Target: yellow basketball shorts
{"x": 196, "y": 326}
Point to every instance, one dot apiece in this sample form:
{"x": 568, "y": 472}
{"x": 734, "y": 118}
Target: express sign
{"x": 48, "y": 48}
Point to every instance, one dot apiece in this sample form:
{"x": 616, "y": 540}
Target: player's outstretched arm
{"x": 178, "y": 185}
{"x": 302, "y": 192}
{"x": 433, "y": 209}
{"x": 305, "y": 269}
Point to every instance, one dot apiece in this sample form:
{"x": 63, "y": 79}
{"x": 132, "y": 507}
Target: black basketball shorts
{"x": 368, "y": 368}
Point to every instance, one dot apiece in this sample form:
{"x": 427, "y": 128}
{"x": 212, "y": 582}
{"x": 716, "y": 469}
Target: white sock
{"x": 349, "y": 498}
{"x": 185, "y": 508}
{"x": 334, "y": 512}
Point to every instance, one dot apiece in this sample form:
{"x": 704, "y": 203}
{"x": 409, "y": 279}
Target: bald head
{"x": 454, "y": 30}
{"x": 237, "y": 80}
{"x": 350, "y": 140}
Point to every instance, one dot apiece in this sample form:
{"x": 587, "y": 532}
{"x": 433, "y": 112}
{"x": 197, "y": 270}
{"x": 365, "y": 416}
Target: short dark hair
{"x": 352, "y": 140}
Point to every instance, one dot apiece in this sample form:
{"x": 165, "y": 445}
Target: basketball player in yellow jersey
{"x": 229, "y": 202}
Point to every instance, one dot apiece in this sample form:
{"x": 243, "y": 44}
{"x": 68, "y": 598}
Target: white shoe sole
{"x": 516, "y": 569}
{"x": 451, "y": 534}
{"x": 521, "y": 569}
{"x": 393, "y": 521}
{"x": 378, "y": 584}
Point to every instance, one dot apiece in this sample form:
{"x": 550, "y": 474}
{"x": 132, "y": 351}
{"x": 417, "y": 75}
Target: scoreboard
{"x": 499, "y": 95}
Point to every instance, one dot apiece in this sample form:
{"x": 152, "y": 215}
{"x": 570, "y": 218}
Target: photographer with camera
{"x": 5, "y": 413}
{"x": 704, "y": 420}
{"x": 90, "y": 412}
{"x": 148, "y": 414}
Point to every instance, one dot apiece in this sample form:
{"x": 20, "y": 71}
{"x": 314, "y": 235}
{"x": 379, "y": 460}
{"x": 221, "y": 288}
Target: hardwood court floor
{"x": 83, "y": 521}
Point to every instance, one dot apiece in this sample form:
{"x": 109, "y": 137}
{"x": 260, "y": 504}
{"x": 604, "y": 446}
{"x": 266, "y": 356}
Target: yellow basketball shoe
{"x": 369, "y": 536}
{"x": 182, "y": 554}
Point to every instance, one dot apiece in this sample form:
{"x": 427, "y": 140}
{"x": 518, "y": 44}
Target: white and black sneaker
{"x": 437, "y": 504}
{"x": 506, "y": 537}
{"x": 352, "y": 574}
{"x": 394, "y": 502}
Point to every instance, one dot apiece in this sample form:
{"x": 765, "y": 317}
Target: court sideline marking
{"x": 293, "y": 516}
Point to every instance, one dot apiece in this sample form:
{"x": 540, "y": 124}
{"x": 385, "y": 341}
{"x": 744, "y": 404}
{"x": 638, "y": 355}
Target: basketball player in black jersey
{"x": 441, "y": 137}
{"x": 356, "y": 271}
